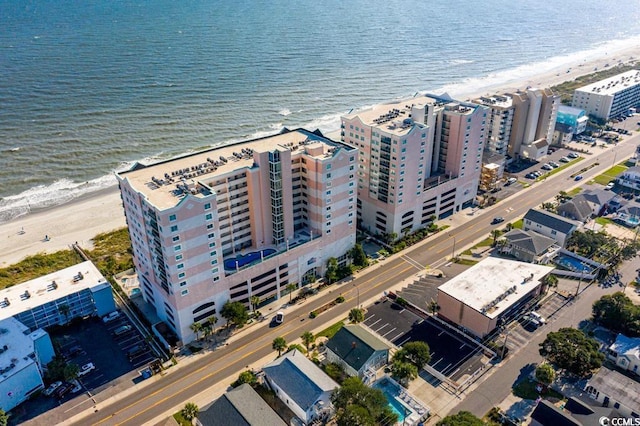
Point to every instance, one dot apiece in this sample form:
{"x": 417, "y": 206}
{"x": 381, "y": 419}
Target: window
{"x": 180, "y": 266}
{"x": 181, "y": 275}
{"x": 174, "y": 228}
{"x": 207, "y": 206}
{"x": 172, "y": 218}
{"x": 214, "y": 253}
{"x": 179, "y": 257}
{"x": 211, "y": 235}
{"x": 209, "y": 216}
{"x": 183, "y": 283}
{"x": 212, "y": 245}
{"x": 184, "y": 292}
{"x": 176, "y": 238}
{"x": 177, "y": 248}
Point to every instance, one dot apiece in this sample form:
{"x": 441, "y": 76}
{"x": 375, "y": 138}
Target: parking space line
{"x": 463, "y": 345}
{"x": 404, "y": 341}
{"x": 400, "y": 334}
{"x": 376, "y": 321}
{"x": 385, "y": 334}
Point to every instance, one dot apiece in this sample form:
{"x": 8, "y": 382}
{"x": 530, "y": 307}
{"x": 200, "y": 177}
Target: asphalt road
{"x": 174, "y": 389}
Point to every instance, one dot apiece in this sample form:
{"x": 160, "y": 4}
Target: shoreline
{"x": 101, "y": 211}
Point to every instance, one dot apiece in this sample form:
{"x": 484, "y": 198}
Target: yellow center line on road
{"x": 192, "y": 384}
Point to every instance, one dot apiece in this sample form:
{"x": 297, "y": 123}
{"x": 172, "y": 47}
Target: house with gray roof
{"x": 609, "y": 388}
{"x": 628, "y": 214}
{"x": 625, "y": 352}
{"x": 358, "y": 351}
{"x": 550, "y": 225}
{"x": 301, "y": 385}
{"x": 241, "y": 406}
{"x": 588, "y": 204}
{"x": 529, "y": 246}
{"x": 573, "y": 413}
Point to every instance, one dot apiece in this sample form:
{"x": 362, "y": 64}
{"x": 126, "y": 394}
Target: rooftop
{"x": 502, "y": 101}
{"x": 31, "y": 294}
{"x": 626, "y": 345}
{"x": 241, "y": 406}
{"x": 530, "y": 241}
{"x": 299, "y": 378}
{"x": 166, "y": 182}
{"x": 493, "y": 285}
{"x": 612, "y": 85}
{"x": 551, "y": 220}
{"x": 617, "y": 386}
{"x": 19, "y": 346}
{"x": 355, "y": 345}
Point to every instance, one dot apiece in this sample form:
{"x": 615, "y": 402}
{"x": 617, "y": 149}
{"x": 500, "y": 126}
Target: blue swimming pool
{"x": 241, "y": 260}
{"x": 391, "y": 393}
{"x": 572, "y": 264}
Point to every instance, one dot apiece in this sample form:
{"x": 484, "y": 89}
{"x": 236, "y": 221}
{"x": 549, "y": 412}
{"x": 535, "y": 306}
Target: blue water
{"x": 572, "y": 264}
{"x": 244, "y": 259}
{"x": 90, "y": 86}
{"x": 391, "y": 394}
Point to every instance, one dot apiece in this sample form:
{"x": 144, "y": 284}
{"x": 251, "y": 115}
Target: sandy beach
{"x": 82, "y": 219}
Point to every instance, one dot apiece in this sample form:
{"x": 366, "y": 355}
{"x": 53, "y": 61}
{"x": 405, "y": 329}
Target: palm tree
{"x": 308, "y": 338}
{"x": 206, "y": 331}
{"x": 255, "y": 301}
{"x": 190, "y": 411}
{"x": 279, "y": 344}
{"x": 356, "y": 315}
{"x": 196, "y": 327}
{"x": 4, "y": 418}
{"x": 495, "y": 234}
{"x": 291, "y": 287}
{"x": 433, "y": 306}
{"x": 213, "y": 320}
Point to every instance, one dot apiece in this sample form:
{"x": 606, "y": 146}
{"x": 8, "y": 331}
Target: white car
{"x": 547, "y": 167}
{"x": 111, "y": 316}
{"x": 537, "y": 317}
{"x": 572, "y": 155}
{"x": 86, "y": 369}
{"x": 279, "y": 319}
{"x": 512, "y": 180}
{"x": 52, "y": 387}
{"x": 564, "y": 160}
{"x": 610, "y": 186}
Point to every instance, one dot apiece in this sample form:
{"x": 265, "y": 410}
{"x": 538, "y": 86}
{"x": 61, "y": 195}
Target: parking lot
{"x": 92, "y": 341}
{"x": 452, "y": 354}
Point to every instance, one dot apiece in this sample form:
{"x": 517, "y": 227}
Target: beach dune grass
{"x": 36, "y": 266}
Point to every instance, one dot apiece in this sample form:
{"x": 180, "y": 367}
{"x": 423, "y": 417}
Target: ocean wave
{"x": 284, "y": 111}
{"x": 43, "y": 196}
{"x": 459, "y": 61}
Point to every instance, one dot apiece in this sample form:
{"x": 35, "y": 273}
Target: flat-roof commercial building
{"x": 419, "y": 158}
{"x": 611, "y": 97}
{"x": 492, "y": 289}
{"x": 23, "y": 356}
{"x": 237, "y": 221}
{"x": 57, "y": 298}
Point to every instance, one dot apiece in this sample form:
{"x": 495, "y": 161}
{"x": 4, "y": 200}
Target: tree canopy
{"x": 572, "y": 350}
{"x": 404, "y": 372}
{"x": 279, "y": 344}
{"x": 359, "y": 256}
{"x": 545, "y": 374}
{"x": 416, "y": 353}
{"x": 359, "y": 405}
{"x": 356, "y": 315}
{"x": 463, "y": 418}
{"x": 234, "y": 313}
{"x": 618, "y": 313}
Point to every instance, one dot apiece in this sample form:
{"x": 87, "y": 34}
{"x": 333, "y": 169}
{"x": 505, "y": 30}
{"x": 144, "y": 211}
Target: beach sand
{"x": 81, "y": 220}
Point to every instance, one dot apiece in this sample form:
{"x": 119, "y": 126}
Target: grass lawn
{"x": 603, "y": 221}
{"x": 331, "y": 330}
{"x": 610, "y": 174}
{"x": 574, "y": 192}
{"x": 486, "y": 242}
{"x": 181, "y": 420}
{"x": 467, "y": 262}
{"x": 517, "y": 224}
{"x": 526, "y": 389}
{"x": 558, "y": 169}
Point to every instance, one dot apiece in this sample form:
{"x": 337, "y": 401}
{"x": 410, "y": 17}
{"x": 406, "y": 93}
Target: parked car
{"x": 512, "y": 180}
{"x": 111, "y": 316}
{"x": 537, "y": 317}
{"x": 52, "y": 387}
{"x": 497, "y": 220}
{"x": 86, "y": 369}
{"x": 73, "y": 352}
{"x": 279, "y": 318}
{"x": 564, "y": 160}
{"x": 530, "y": 176}
{"x": 610, "y": 186}
{"x": 77, "y": 387}
{"x": 577, "y": 178}
{"x": 554, "y": 164}
{"x": 528, "y": 320}
{"x": 572, "y": 155}
{"x": 547, "y": 167}
{"x": 121, "y": 330}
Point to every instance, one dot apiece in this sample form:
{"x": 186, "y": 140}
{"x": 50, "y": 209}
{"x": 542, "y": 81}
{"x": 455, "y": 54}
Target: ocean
{"x": 88, "y": 87}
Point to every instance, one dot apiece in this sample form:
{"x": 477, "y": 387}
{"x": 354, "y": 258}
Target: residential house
{"x": 625, "y": 352}
{"x": 610, "y": 388}
{"x": 241, "y": 406}
{"x": 628, "y": 214}
{"x": 630, "y": 178}
{"x": 301, "y": 385}
{"x": 573, "y": 413}
{"x": 358, "y": 351}
{"x": 550, "y": 225}
{"x": 590, "y": 203}
{"x": 529, "y": 246}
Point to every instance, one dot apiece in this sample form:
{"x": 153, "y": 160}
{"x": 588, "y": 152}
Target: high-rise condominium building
{"x": 611, "y": 97}
{"x": 417, "y": 159}
{"x": 517, "y": 120}
{"x": 238, "y": 221}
